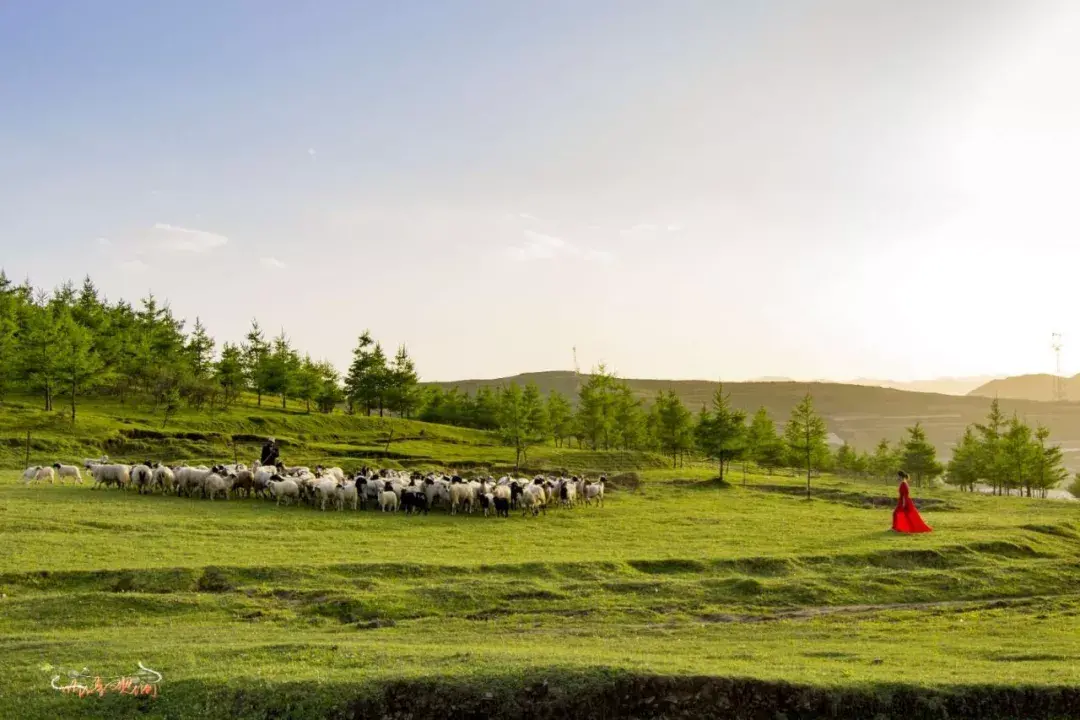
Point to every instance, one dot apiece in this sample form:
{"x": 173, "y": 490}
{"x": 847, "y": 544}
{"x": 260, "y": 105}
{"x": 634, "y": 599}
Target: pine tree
{"x": 1049, "y": 467}
{"x": 627, "y": 418}
{"x": 229, "y": 372}
{"x": 514, "y": 420}
{"x": 764, "y": 446}
{"x": 79, "y": 368}
{"x": 846, "y": 460}
{"x": 672, "y": 424}
{"x": 256, "y": 360}
{"x": 330, "y": 393}
{"x": 307, "y": 382}
{"x": 281, "y": 368}
{"x": 963, "y": 469}
{"x": 595, "y": 414}
{"x": 919, "y": 457}
{"x": 805, "y": 435}
{"x": 1019, "y": 454}
{"x": 883, "y": 463}
{"x": 721, "y": 433}
{"x": 378, "y": 380}
{"x": 559, "y": 415}
{"x": 402, "y": 388}
{"x": 992, "y": 465}
{"x": 40, "y": 351}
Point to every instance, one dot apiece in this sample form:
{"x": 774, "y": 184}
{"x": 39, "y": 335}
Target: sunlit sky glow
{"x": 840, "y": 189}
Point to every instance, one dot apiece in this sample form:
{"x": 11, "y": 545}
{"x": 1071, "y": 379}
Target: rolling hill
{"x": 859, "y": 414}
{"x": 1028, "y": 387}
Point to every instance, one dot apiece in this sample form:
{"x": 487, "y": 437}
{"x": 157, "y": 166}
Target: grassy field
{"x": 250, "y": 610}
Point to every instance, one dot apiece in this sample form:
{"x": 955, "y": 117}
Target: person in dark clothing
{"x": 269, "y": 452}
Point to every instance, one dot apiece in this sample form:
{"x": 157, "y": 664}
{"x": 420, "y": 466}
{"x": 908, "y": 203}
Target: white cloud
{"x": 674, "y": 228}
{"x": 179, "y": 239}
{"x": 527, "y": 216}
{"x": 538, "y": 246}
{"x": 311, "y": 152}
{"x": 272, "y": 262}
{"x": 643, "y": 228}
{"x": 133, "y": 265}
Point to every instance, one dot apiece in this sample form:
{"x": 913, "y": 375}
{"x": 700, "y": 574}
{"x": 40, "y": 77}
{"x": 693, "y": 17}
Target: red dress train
{"x": 905, "y": 517}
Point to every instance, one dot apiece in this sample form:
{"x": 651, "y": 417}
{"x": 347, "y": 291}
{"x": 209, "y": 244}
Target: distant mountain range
{"x": 861, "y": 414}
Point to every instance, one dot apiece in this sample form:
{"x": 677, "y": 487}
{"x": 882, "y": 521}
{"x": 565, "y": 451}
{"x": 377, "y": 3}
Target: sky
{"x": 687, "y": 189}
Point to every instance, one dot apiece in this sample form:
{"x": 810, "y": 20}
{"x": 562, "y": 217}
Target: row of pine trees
{"x": 71, "y": 343}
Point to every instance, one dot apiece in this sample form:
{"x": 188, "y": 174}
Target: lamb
{"x": 388, "y": 499}
{"x": 502, "y": 506}
{"x": 533, "y": 498}
{"x": 30, "y": 473}
{"x": 68, "y": 471}
{"x": 106, "y": 475}
{"x": 142, "y": 478}
{"x": 284, "y": 489}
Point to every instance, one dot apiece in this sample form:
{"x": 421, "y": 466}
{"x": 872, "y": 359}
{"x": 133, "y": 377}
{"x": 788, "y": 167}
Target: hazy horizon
{"x": 836, "y": 189}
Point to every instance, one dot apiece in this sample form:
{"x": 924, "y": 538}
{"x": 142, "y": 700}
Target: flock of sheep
{"x": 387, "y": 490}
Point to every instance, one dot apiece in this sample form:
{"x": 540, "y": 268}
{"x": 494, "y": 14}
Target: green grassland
{"x": 678, "y": 577}
{"x": 255, "y": 611}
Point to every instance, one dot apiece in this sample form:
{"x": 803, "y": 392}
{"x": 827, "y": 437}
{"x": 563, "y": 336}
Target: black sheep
{"x": 502, "y": 507}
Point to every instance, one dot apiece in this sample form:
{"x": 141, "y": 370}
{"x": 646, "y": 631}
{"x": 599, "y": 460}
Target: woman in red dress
{"x": 905, "y": 517}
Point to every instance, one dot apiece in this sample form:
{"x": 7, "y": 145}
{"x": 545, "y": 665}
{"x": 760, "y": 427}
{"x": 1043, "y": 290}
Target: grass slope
{"x": 255, "y": 611}
{"x": 861, "y": 415}
{"x": 135, "y": 433}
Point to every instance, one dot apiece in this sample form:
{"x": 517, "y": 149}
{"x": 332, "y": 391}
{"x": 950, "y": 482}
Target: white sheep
{"x": 347, "y": 495}
{"x": 533, "y": 498}
{"x": 164, "y": 478}
{"x": 68, "y": 471}
{"x": 334, "y": 472}
{"x": 30, "y": 473}
{"x": 213, "y": 485}
{"x": 594, "y": 492}
{"x": 142, "y": 477}
{"x": 284, "y": 489}
{"x": 325, "y": 489}
{"x": 388, "y": 499}
{"x": 106, "y": 475}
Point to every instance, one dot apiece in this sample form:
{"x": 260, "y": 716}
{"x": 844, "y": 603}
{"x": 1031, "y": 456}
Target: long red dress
{"x": 905, "y": 517}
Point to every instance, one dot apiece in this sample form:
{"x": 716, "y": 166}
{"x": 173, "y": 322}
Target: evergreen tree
{"x": 514, "y": 420}
{"x": 560, "y": 416}
{"x": 919, "y": 457}
{"x": 256, "y": 360}
{"x": 805, "y": 435}
{"x": 721, "y": 434}
{"x": 40, "y": 351}
{"x": 627, "y": 417}
{"x": 378, "y": 380}
{"x": 673, "y": 425}
{"x": 402, "y": 388}
{"x": 329, "y": 393}
{"x": 229, "y": 372}
{"x": 1049, "y": 467}
{"x": 307, "y": 383}
{"x": 282, "y": 367}
{"x": 991, "y": 463}
{"x": 847, "y": 460}
{"x": 595, "y": 414}
{"x": 764, "y": 445}
{"x": 535, "y": 415}
{"x": 356, "y": 379}
{"x": 79, "y": 368}
{"x": 883, "y": 464}
{"x": 963, "y": 467}
{"x": 1019, "y": 454}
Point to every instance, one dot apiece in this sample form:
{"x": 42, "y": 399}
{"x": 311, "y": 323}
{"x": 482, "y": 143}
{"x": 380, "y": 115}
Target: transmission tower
{"x": 1059, "y": 381}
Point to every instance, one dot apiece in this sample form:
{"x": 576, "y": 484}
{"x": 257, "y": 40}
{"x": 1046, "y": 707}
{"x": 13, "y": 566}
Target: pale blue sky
{"x": 680, "y": 189}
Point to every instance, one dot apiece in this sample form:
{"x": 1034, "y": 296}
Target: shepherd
{"x": 905, "y": 517}
{"x": 269, "y": 452}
